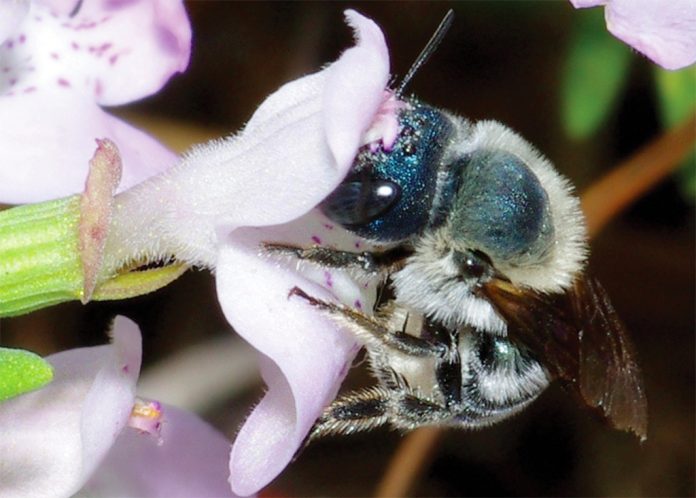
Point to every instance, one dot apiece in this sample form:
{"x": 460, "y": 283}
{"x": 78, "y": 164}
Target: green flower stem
{"x": 40, "y": 262}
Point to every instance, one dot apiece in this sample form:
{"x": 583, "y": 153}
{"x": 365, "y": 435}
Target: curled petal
{"x": 42, "y": 160}
{"x": 52, "y": 439}
{"x": 188, "y": 460}
{"x": 305, "y": 355}
{"x": 664, "y": 31}
{"x": 11, "y": 14}
{"x": 351, "y": 102}
{"x": 110, "y": 52}
{"x": 282, "y": 156}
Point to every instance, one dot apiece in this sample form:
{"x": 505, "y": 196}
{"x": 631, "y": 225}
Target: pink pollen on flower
{"x": 316, "y": 240}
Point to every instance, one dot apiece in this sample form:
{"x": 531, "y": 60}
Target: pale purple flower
{"x": 663, "y": 30}
{"x": 53, "y": 440}
{"x": 58, "y": 66}
{"x": 225, "y": 198}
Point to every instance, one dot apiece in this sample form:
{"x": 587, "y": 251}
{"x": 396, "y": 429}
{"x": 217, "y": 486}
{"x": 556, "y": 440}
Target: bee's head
{"x": 490, "y": 197}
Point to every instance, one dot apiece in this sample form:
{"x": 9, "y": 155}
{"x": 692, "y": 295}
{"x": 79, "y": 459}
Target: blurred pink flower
{"x": 60, "y": 61}
{"x": 663, "y": 30}
{"x": 54, "y": 439}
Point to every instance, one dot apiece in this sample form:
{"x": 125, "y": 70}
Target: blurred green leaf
{"x": 22, "y": 371}
{"x": 676, "y": 93}
{"x": 596, "y": 67}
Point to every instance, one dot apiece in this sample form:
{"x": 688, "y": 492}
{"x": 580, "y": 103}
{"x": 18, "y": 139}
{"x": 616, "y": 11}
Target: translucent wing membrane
{"x": 580, "y": 339}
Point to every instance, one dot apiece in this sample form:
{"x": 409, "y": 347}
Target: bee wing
{"x": 579, "y": 338}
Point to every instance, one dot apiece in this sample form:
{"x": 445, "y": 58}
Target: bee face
{"x": 391, "y": 195}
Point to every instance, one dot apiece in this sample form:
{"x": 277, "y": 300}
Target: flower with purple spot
{"x": 227, "y": 198}
{"x": 224, "y": 200}
{"x": 61, "y": 61}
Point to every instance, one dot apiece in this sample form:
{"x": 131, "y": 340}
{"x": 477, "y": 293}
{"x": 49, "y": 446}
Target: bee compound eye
{"x": 359, "y": 201}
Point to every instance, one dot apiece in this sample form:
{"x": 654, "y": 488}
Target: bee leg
{"x": 370, "y": 329}
{"x": 448, "y": 374}
{"x": 355, "y": 412}
{"x": 370, "y": 263}
{"x": 416, "y": 411}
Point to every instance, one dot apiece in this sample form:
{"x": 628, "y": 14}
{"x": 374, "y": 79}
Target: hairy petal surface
{"x": 305, "y": 356}
{"x": 51, "y": 440}
{"x": 188, "y": 459}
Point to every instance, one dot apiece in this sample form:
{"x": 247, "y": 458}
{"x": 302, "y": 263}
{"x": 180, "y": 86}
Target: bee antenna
{"x": 427, "y": 51}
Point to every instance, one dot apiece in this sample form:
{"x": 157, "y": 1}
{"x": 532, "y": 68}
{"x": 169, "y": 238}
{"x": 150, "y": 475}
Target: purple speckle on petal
{"x": 63, "y": 82}
{"x": 328, "y": 279}
{"x": 113, "y": 59}
{"x": 75, "y": 46}
{"x": 328, "y": 226}
{"x": 357, "y": 304}
{"x": 55, "y": 56}
{"x": 9, "y": 44}
{"x": 22, "y": 38}
{"x": 316, "y": 239}
{"x": 357, "y": 244}
{"x": 125, "y": 369}
{"x": 30, "y": 89}
{"x": 12, "y": 81}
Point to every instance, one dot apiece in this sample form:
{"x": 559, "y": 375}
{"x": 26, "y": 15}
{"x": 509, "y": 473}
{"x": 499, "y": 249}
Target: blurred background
{"x": 556, "y": 76}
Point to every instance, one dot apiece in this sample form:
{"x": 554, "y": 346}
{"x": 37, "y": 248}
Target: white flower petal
{"x": 191, "y": 461}
{"x": 52, "y": 439}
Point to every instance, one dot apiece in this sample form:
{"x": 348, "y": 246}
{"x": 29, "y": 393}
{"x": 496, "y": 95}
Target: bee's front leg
{"x": 369, "y": 263}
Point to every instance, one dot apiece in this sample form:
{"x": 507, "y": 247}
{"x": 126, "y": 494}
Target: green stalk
{"x": 40, "y": 263}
